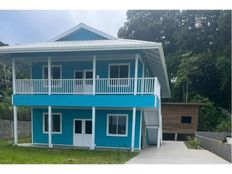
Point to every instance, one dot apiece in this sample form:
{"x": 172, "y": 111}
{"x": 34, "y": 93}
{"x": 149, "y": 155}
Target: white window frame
{"x": 118, "y": 64}
{"x": 43, "y": 74}
{"x": 107, "y": 125}
{"x": 46, "y": 132}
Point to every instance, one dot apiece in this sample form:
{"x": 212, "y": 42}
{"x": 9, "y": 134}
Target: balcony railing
{"x": 85, "y": 86}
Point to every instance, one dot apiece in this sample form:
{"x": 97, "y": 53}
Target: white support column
{"x": 140, "y": 129}
{"x": 158, "y": 137}
{"x": 13, "y": 76}
{"x": 93, "y": 128}
{"x": 50, "y": 127}
{"x": 49, "y": 76}
{"x": 15, "y": 125}
{"x": 133, "y": 130}
{"x": 143, "y": 75}
{"x": 94, "y": 74}
{"x": 136, "y": 74}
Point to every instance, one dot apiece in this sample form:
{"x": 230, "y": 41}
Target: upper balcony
{"x": 90, "y": 86}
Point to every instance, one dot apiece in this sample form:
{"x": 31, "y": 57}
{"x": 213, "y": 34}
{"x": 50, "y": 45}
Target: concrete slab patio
{"x": 175, "y": 152}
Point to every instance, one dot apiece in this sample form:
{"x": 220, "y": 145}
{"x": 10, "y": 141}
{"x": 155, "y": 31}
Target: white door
{"x": 84, "y": 83}
{"x": 82, "y": 133}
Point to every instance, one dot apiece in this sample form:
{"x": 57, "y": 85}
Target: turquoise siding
{"x": 146, "y": 101}
{"x": 68, "y": 68}
{"x": 101, "y": 139}
{"x": 82, "y": 34}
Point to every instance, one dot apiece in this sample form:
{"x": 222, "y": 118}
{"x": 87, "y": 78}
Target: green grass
{"x": 10, "y": 154}
{"x": 189, "y": 145}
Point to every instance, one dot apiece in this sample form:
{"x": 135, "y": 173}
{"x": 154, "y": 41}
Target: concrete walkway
{"x": 172, "y": 152}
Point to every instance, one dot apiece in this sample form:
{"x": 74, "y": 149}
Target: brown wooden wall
{"x": 171, "y": 114}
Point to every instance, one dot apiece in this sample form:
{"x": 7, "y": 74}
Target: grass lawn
{"x": 10, "y": 154}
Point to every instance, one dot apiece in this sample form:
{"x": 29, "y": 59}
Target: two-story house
{"x": 89, "y": 89}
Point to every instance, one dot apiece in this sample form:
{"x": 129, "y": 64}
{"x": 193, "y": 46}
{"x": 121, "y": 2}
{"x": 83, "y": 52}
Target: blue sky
{"x": 20, "y": 27}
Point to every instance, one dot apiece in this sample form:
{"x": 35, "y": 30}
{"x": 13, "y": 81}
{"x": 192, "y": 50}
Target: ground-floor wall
{"x": 101, "y": 138}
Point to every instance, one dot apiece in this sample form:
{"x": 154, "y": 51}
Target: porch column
{"x": 133, "y": 130}
{"x": 143, "y": 75}
{"x": 94, "y": 74}
{"x": 15, "y": 125}
{"x": 49, "y": 76}
{"x": 93, "y": 128}
{"x": 49, "y": 126}
{"x": 14, "y": 107}
{"x": 13, "y": 76}
{"x": 136, "y": 73}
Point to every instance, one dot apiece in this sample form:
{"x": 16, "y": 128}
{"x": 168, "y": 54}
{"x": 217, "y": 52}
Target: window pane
{"x": 121, "y": 124}
{"x": 112, "y": 125}
{"x": 56, "y": 123}
{"x": 45, "y": 73}
{"x": 186, "y": 119}
{"x": 78, "y": 126}
{"x": 46, "y": 122}
{"x": 78, "y": 75}
{"x": 114, "y": 71}
{"x": 124, "y": 71}
{"x": 89, "y": 75}
{"x": 56, "y": 73}
{"x": 88, "y": 127}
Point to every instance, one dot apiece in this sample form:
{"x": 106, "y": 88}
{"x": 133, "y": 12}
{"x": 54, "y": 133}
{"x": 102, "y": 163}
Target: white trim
{"x": 93, "y": 128}
{"x": 140, "y": 130}
{"x": 118, "y": 64}
{"x": 84, "y": 26}
{"x": 13, "y": 76}
{"x": 94, "y": 74}
{"x": 136, "y": 74}
{"x": 133, "y": 129}
{"x": 49, "y": 76}
{"x": 55, "y": 113}
{"x": 32, "y": 138}
{"x": 15, "y": 125}
{"x": 107, "y": 125}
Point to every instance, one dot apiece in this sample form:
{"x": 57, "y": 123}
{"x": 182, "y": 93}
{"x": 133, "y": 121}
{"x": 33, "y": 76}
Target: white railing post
{"x": 155, "y": 85}
{"x": 94, "y": 74}
{"x": 136, "y": 74}
{"x": 13, "y": 76}
{"x": 49, "y": 76}
{"x": 142, "y": 84}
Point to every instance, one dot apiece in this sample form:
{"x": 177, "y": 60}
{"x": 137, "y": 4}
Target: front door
{"x": 82, "y": 133}
{"x": 84, "y": 83}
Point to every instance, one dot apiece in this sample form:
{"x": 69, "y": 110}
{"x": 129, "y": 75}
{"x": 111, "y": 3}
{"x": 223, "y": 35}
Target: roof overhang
{"x": 153, "y": 53}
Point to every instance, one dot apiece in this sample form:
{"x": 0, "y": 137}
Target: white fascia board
{"x": 77, "y": 48}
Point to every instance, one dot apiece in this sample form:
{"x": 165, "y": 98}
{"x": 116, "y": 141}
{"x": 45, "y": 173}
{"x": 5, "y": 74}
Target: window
{"x": 55, "y": 72}
{"x": 186, "y": 119}
{"x": 56, "y": 123}
{"x": 117, "y": 125}
{"x": 55, "y": 75}
{"x": 119, "y": 71}
{"x": 88, "y": 127}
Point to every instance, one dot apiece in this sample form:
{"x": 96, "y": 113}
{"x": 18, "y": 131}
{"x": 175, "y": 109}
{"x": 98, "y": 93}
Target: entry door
{"x": 84, "y": 84}
{"x": 82, "y": 136}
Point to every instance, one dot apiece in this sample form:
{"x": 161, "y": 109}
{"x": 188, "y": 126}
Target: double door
{"x": 84, "y": 81}
{"x": 82, "y": 133}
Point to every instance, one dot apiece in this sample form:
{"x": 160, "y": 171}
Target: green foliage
{"x": 193, "y": 142}
{"x": 29, "y": 155}
{"x": 224, "y": 126}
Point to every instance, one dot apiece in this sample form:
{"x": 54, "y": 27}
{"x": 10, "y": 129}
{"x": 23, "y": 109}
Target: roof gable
{"x": 83, "y": 32}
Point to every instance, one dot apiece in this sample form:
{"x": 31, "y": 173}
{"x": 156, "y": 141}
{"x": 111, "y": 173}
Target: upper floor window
{"x": 119, "y": 74}
{"x": 119, "y": 71}
{"x": 186, "y": 119}
{"x": 55, "y": 72}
